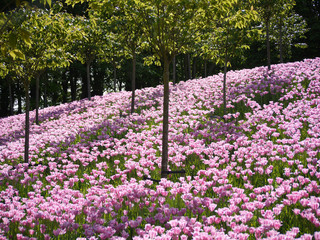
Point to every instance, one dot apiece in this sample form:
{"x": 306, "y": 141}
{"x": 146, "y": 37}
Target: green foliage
{"x": 293, "y": 29}
{"x": 228, "y": 32}
{"x": 38, "y": 41}
{"x": 123, "y": 23}
{"x": 286, "y": 27}
{"x": 166, "y": 26}
{"x": 90, "y": 41}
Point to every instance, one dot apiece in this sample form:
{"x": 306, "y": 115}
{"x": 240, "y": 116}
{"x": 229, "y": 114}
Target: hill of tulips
{"x": 251, "y": 174}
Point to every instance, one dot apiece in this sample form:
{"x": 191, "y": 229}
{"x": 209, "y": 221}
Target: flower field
{"x": 251, "y": 174}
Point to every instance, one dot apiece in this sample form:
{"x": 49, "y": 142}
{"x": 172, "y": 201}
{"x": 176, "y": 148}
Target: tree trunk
{"x": 10, "y": 99}
{"x": 115, "y": 77}
{"x": 4, "y": 98}
{"x": 97, "y": 84}
{"x": 45, "y": 96}
{"x": 205, "y": 68}
{"x": 119, "y": 85}
{"x": 73, "y": 83}
{"x": 19, "y": 98}
{"x": 165, "y": 129}
{"x": 225, "y": 78}
{"x": 268, "y": 45}
{"x": 27, "y": 124}
{"x": 194, "y": 67}
{"x": 174, "y": 74}
{"x": 133, "y": 80}
{"x": 280, "y": 41}
{"x": 37, "y": 98}
{"x": 88, "y": 80}
{"x": 84, "y": 87}
{"x": 225, "y": 86}
{"x": 64, "y": 87}
{"x": 189, "y": 66}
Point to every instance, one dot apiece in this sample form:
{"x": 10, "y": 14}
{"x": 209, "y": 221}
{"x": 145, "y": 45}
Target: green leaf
{"x": 17, "y": 54}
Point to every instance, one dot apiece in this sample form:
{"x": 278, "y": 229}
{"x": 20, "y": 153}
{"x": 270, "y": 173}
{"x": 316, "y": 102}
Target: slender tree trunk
{"x": 73, "y": 83}
{"x": 225, "y": 88}
{"x": 37, "y": 98}
{"x": 185, "y": 64}
{"x": 211, "y": 69}
{"x": 84, "y": 87}
{"x": 98, "y": 83}
{"x": 54, "y": 95}
{"x": 119, "y": 85}
{"x": 88, "y": 80}
{"x": 205, "y": 68}
{"x": 10, "y": 99}
{"x": 280, "y": 43}
{"x": 4, "y": 98}
{"x": 115, "y": 77}
{"x": 225, "y": 79}
{"x": 174, "y": 70}
{"x": 268, "y": 45}
{"x": 133, "y": 80}
{"x": 194, "y": 67}
{"x": 64, "y": 87}
{"x": 189, "y": 66}
{"x": 45, "y": 96}
{"x": 165, "y": 129}
{"x": 19, "y": 98}
{"x": 27, "y": 124}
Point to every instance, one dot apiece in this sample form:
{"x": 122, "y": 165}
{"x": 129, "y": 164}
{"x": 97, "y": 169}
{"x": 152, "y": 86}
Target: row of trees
{"x": 35, "y": 40}
{"x": 98, "y": 44}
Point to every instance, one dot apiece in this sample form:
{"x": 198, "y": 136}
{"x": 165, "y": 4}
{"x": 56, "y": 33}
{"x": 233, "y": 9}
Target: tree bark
{"x": 97, "y": 84}
{"x": 37, "y": 98}
{"x": 165, "y": 127}
{"x": 19, "y": 98}
{"x": 174, "y": 70}
{"x": 73, "y": 83}
{"x": 225, "y": 78}
{"x": 4, "y": 99}
{"x": 64, "y": 87}
{"x": 45, "y": 96}
{"x": 27, "y": 124}
{"x": 114, "y": 77}
{"x": 10, "y": 99}
{"x": 205, "y": 68}
{"x": 268, "y": 45}
{"x": 194, "y": 67}
{"x": 84, "y": 87}
{"x": 88, "y": 80}
{"x": 133, "y": 80}
{"x": 189, "y": 66}
{"x": 280, "y": 43}
{"x": 187, "y": 72}
{"x": 225, "y": 87}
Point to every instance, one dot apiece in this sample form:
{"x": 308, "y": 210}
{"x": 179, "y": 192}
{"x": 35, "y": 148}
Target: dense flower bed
{"x": 252, "y": 174}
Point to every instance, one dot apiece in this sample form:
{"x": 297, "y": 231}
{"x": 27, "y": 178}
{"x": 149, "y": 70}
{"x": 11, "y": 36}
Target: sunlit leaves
{"x": 25, "y": 36}
{"x": 37, "y": 40}
{"x": 225, "y": 28}
{"x": 91, "y": 40}
{"x": 289, "y": 28}
{"x": 16, "y": 54}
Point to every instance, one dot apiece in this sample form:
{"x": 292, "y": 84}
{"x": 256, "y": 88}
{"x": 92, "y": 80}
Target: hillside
{"x": 252, "y": 174}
